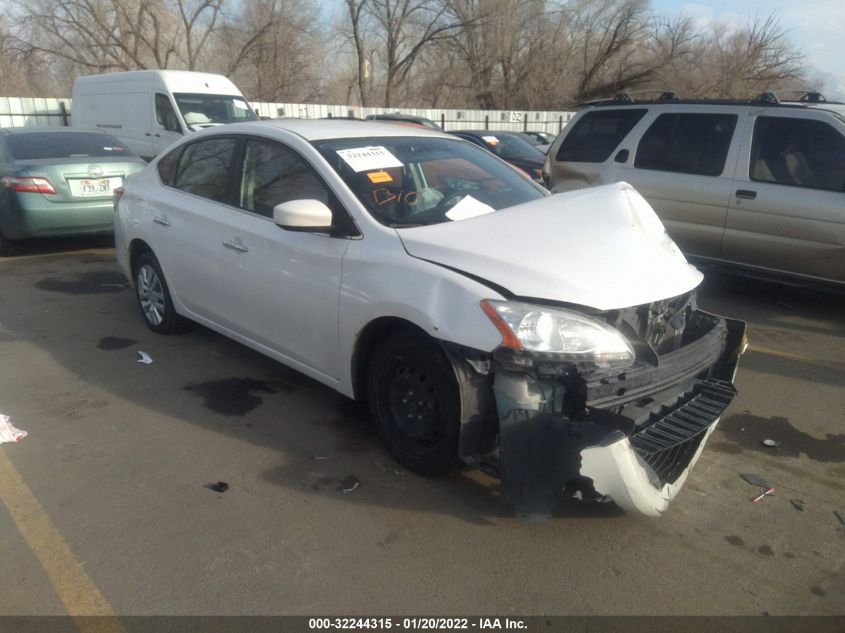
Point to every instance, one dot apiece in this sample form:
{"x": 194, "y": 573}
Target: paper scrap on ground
{"x": 144, "y": 358}
{"x": 369, "y": 158}
{"x": 8, "y": 433}
{"x": 467, "y": 208}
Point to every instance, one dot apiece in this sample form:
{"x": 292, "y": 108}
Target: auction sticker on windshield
{"x": 369, "y": 158}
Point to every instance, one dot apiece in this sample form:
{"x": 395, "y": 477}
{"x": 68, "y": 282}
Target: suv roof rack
{"x": 629, "y": 96}
{"x": 807, "y": 96}
{"x": 769, "y": 98}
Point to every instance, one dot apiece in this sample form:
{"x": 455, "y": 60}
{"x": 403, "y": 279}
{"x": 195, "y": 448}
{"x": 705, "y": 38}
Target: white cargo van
{"x": 150, "y": 109}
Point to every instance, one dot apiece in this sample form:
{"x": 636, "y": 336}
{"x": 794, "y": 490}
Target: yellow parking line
{"x": 806, "y": 360}
{"x": 74, "y": 587}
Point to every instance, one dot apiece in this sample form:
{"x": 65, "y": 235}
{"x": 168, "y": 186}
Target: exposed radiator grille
{"x": 668, "y": 445}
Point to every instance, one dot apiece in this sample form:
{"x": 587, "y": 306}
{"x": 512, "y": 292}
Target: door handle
{"x": 162, "y": 221}
{"x": 147, "y": 134}
{"x": 236, "y": 246}
{"x": 157, "y": 135}
{"x": 745, "y": 194}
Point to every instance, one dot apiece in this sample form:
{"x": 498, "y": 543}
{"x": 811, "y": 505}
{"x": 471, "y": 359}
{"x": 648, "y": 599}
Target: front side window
{"x": 798, "y": 153}
{"x": 204, "y": 168}
{"x": 272, "y": 174}
{"x": 166, "y": 166}
{"x": 165, "y": 115}
{"x": 407, "y": 181}
{"x": 687, "y": 143}
{"x": 202, "y": 110}
{"x": 596, "y": 134}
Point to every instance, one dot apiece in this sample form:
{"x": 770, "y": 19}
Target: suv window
{"x": 798, "y": 153}
{"x": 204, "y": 168}
{"x": 272, "y": 174}
{"x": 165, "y": 115}
{"x": 596, "y": 135}
{"x": 687, "y": 143}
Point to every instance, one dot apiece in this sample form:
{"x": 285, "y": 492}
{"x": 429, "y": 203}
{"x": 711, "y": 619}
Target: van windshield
{"x": 205, "y": 109}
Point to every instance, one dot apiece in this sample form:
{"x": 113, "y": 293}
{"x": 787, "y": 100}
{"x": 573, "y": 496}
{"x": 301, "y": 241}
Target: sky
{"x": 816, "y": 27}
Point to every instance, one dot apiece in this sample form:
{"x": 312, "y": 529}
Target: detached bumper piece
{"x": 669, "y": 444}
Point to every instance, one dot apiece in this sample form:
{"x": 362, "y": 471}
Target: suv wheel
{"x": 414, "y": 401}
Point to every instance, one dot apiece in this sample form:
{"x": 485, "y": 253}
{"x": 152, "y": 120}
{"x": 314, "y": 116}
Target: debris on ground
{"x": 771, "y": 443}
{"x": 393, "y": 468}
{"x": 349, "y": 484}
{"x": 798, "y": 504}
{"x": 319, "y": 458}
{"x": 115, "y": 286}
{"x": 8, "y": 433}
{"x": 755, "y": 480}
{"x": 220, "y": 486}
{"x": 766, "y": 493}
{"x": 144, "y": 358}
{"x": 840, "y": 516}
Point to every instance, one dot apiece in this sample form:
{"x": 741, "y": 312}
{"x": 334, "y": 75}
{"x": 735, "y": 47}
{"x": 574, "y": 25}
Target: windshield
{"x": 508, "y": 146}
{"x": 203, "y": 109}
{"x": 64, "y": 144}
{"x": 404, "y": 181}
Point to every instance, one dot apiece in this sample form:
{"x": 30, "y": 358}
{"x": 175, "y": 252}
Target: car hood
{"x": 602, "y": 247}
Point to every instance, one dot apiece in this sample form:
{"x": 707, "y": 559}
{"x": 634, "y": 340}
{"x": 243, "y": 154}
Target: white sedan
{"x": 553, "y": 341}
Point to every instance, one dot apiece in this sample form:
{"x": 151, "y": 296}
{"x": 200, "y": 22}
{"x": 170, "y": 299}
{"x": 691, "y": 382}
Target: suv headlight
{"x": 561, "y": 334}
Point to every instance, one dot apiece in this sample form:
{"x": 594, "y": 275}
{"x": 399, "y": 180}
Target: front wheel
{"x": 154, "y": 297}
{"x": 414, "y": 400}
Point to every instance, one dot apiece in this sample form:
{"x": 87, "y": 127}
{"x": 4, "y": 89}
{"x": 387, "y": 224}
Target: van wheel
{"x": 414, "y": 401}
{"x": 154, "y": 297}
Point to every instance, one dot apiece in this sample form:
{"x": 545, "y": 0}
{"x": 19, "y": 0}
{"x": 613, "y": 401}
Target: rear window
{"x": 596, "y": 134}
{"x": 38, "y": 145}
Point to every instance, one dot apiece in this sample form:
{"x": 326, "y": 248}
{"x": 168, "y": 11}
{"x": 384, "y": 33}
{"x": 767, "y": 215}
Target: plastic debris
{"x": 839, "y": 516}
{"x": 349, "y": 484}
{"x": 8, "y": 433}
{"x": 755, "y": 480}
{"x": 115, "y": 286}
{"x": 798, "y": 504}
{"x": 766, "y": 493}
{"x": 771, "y": 443}
{"x": 220, "y": 486}
{"x": 144, "y": 358}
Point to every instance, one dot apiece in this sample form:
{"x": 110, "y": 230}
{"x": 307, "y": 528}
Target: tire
{"x": 8, "y": 247}
{"x": 414, "y": 401}
{"x": 154, "y": 299}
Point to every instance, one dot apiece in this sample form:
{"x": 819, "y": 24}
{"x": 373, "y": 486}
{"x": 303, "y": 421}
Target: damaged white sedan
{"x": 553, "y": 341}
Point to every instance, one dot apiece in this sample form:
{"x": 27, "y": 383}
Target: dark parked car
{"x": 59, "y": 182}
{"x": 511, "y": 147}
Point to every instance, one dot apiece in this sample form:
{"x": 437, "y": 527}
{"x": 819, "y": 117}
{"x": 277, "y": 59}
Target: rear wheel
{"x": 8, "y": 247}
{"x": 414, "y": 400}
{"x": 154, "y": 297}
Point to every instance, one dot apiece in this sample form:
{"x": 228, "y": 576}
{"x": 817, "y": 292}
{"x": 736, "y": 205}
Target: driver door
{"x": 281, "y": 288}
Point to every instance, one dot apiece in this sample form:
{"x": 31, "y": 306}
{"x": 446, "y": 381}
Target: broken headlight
{"x": 558, "y": 334}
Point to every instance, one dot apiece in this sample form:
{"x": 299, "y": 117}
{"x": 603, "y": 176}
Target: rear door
{"x": 683, "y": 165}
{"x": 787, "y": 205}
{"x": 186, "y": 222}
{"x": 281, "y": 288}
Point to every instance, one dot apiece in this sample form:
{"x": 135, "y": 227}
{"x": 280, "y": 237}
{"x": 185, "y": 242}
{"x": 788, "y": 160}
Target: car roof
{"x": 484, "y": 132}
{"x": 54, "y": 130}
{"x": 324, "y": 129}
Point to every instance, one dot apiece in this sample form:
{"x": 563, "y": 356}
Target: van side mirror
{"x": 303, "y": 215}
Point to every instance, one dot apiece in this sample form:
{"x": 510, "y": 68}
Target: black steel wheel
{"x": 414, "y": 400}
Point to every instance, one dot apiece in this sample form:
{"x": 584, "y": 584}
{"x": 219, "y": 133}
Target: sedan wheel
{"x": 413, "y": 397}
{"x": 154, "y": 297}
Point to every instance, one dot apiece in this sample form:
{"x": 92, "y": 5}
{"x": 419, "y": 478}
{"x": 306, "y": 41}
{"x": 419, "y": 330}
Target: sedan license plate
{"x": 93, "y": 187}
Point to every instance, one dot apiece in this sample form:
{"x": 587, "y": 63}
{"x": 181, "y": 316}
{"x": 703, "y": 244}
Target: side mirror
{"x": 303, "y": 215}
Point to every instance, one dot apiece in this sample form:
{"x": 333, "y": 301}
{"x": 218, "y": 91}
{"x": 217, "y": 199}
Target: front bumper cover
{"x": 637, "y": 438}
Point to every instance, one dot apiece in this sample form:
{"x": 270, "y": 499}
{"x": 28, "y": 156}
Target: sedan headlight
{"x": 561, "y": 334}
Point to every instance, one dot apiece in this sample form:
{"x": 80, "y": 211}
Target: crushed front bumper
{"x": 632, "y": 436}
